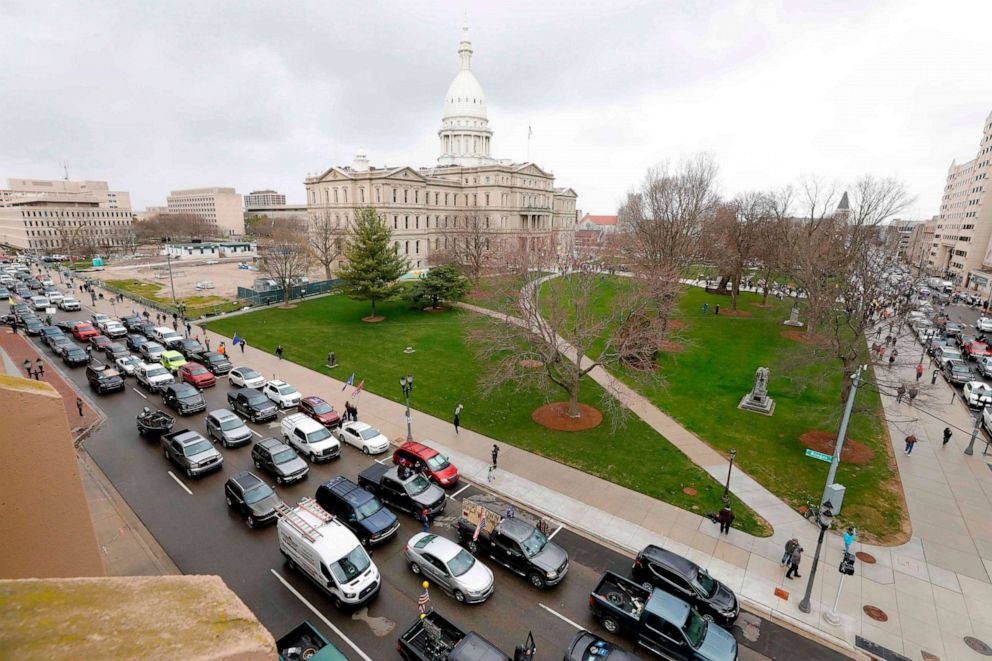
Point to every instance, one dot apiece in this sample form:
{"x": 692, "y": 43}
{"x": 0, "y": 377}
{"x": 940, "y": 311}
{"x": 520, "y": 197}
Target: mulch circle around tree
{"x": 854, "y": 452}
{"x": 668, "y": 346}
{"x": 555, "y": 416}
{"x": 531, "y": 364}
{"x": 689, "y": 491}
{"x": 373, "y": 320}
{"x": 803, "y": 338}
{"x": 866, "y": 558}
{"x": 876, "y": 613}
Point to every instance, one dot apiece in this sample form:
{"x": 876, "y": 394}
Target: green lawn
{"x": 446, "y": 374}
{"x": 702, "y": 385}
{"x": 195, "y": 305}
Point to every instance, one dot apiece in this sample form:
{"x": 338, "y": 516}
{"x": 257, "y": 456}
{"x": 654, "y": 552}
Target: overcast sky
{"x": 154, "y": 96}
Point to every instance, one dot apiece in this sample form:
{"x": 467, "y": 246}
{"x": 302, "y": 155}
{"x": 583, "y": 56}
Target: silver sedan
{"x": 450, "y": 567}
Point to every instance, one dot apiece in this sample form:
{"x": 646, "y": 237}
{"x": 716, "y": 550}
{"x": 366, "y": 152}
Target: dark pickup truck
{"x": 659, "y": 622}
{"x": 518, "y": 542}
{"x": 403, "y": 488}
{"x": 434, "y": 637}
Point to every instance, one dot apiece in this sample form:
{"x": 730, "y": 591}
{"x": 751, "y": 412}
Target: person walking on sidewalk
{"x": 457, "y": 419}
{"x": 492, "y": 467}
{"x": 79, "y": 406}
{"x": 913, "y": 392}
{"x": 911, "y": 440}
{"x": 424, "y": 519}
{"x": 919, "y": 371}
{"x": 900, "y": 393}
{"x": 27, "y": 368}
{"x": 794, "y": 559}
{"x": 789, "y": 548}
{"x": 39, "y": 368}
{"x": 947, "y": 435}
{"x": 849, "y": 536}
{"x": 725, "y": 517}
{"x": 243, "y": 343}
{"x": 279, "y": 351}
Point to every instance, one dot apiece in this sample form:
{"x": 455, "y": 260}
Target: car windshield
{"x": 319, "y": 435}
{"x": 322, "y": 408}
{"x": 152, "y": 347}
{"x": 534, "y": 543}
{"x": 156, "y": 371}
{"x": 185, "y": 390}
{"x": 197, "y": 371}
{"x": 257, "y": 398}
{"x": 461, "y": 563}
{"x": 283, "y": 456}
{"x": 231, "y": 423}
{"x": 704, "y": 583}
{"x": 197, "y": 447}
{"x": 417, "y": 485}
{"x": 368, "y": 509}
{"x": 349, "y": 567}
{"x": 960, "y": 368}
{"x": 438, "y": 462}
{"x": 257, "y": 493}
{"x": 287, "y": 390}
{"x": 249, "y": 374}
{"x": 695, "y": 629}
{"x": 369, "y": 434}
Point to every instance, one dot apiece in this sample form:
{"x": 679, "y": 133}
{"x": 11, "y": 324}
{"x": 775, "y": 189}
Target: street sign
{"x": 819, "y": 455}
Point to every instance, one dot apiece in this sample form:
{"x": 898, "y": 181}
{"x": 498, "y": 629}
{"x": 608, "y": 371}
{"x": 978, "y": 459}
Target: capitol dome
{"x": 465, "y": 134}
{"x": 465, "y": 97}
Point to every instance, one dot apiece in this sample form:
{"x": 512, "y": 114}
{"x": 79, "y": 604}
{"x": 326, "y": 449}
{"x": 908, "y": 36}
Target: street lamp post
{"x": 406, "y": 384}
{"x": 970, "y": 450}
{"x": 730, "y": 467}
{"x": 824, "y": 518}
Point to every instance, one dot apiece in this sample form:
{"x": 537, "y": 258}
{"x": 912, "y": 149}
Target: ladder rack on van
{"x": 301, "y": 524}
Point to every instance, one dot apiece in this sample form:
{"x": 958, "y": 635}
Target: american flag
{"x": 358, "y": 390}
{"x": 423, "y": 601}
{"x": 478, "y": 526}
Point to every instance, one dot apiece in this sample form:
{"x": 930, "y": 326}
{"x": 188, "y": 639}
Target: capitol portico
{"x": 428, "y": 208}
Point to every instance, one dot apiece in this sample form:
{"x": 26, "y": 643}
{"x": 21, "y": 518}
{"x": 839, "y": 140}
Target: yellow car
{"x": 172, "y": 360}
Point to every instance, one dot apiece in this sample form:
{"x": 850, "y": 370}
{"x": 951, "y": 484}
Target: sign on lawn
{"x": 819, "y": 455}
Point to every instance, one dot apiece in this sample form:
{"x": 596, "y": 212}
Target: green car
{"x": 172, "y": 360}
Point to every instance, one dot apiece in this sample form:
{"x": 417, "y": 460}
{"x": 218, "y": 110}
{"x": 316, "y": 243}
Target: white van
{"x": 166, "y": 336}
{"x": 310, "y": 438}
{"x": 318, "y": 545}
{"x": 39, "y": 302}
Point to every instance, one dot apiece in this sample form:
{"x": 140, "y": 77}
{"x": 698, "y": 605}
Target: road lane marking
{"x": 552, "y": 535}
{"x": 254, "y": 432}
{"x": 459, "y": 491}
{"x": 321, "y": 616}
{"x": 561, "y": 617}
{"x": 180, "y": 483}
{"x": 138, "y": 391}
{"x": 380, "y": 461}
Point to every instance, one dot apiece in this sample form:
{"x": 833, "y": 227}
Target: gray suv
{"x": 193, "y": 453}
{"x": 227, "y": 428}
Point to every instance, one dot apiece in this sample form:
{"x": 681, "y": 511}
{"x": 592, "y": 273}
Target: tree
{"x": 441, "y": 283}
{"x": 734, "y": 234}
{"x": 470, "y": 243}
{"x": 285, "y": 258}
{"x": 175, "y": 227}
{"x": 374, "y": 264}
{"x": 326, "y": 240}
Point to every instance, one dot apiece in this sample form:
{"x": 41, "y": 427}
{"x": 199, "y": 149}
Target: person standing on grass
{"x": 725, "y": 518}
{"x": 911, "y": 440}
{"x": 279, "y": 351}
{"x": 947, "y": 435}
{"x": 794, "y": 559}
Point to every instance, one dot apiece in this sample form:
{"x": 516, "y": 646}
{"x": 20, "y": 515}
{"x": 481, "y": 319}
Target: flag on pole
{"x": 423, "y": 601}
{"x": 530, "y": 131}
{"x": 349, "y": 382}
{"x": 478, "y": 526}
{"x": 236, "y": 339}
{"x": 358, "y": 390}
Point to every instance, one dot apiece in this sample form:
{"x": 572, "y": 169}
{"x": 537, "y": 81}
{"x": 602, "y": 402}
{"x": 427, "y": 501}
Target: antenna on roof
{"x": 65, "y": 170}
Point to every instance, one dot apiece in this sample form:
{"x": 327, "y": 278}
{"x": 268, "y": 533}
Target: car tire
{"x": 290, "y": 563}
{"x": 338, "y": 603}
{"x": 415, "y": 568}
{"x": 249, "y": 521}
{"x": 536, "y": 580}
{"x": 189, "y": 472}
{"x": 365, "y": 450}
{"x": 225, "y": 444}
{"x": 313, "y": 458}
{"x": 610, "y": 624}
{"x": 459, "y": 596}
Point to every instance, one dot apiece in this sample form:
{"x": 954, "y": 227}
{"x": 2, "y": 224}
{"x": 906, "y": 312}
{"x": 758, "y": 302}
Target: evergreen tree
{"x": 373, "y": 264}
{"x": 441, "y": 283}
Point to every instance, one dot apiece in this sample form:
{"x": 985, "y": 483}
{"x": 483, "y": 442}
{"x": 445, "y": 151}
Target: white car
{"x": 114, "y": 329}
{"x": 363, "y": 436}
{"x": 39, "y": 302}
{"x": 99, "y": 319}
{"x": 977, "y": 394}
{"x": 128, "y": 364}
{"x": 984, "y": 324}
{"x": 153, "y": 376}
{"x": 54, "y": 297}
{"x": 69, "y": 304}
{"x": 245, "y": 377}
{"x": 283, "y": 394}
{"x": 984, "y": 365}
{"x": 944, "y": 354}
{"x": 310, "y": 438}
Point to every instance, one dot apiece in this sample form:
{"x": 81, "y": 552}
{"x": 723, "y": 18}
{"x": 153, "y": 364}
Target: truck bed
{"x": 419, "y": 640}
{"x": 373, "y": 474}
{"x": 621, "y": 595}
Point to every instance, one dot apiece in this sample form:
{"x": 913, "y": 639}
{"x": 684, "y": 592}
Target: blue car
{"x": 359, "y": 510}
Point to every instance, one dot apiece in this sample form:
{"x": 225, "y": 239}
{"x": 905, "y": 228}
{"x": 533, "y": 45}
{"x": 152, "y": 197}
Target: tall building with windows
{"x": 960, "y": 250}
{"x": 514, "y": 203}
{"x": 264, "y": 199}
{"x": 220, "y": 206}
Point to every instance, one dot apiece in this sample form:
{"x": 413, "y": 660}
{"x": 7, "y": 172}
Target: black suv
{"x": 247, "y": 494}
{"x": 363, "y": 513}
{"x": 73, "y": 356}
{"x": 116, "y": 350}
{"x": 184, "y": 398}
{"x": 671, "y": 573}
{"x": 132, "y": 322}
{"x": 279, "y": 460}
{"x": 188, "y": 346}
{"x": 213, "y": 361}
{"x": 252, "y": 404}
{"x": 104, "y": 378}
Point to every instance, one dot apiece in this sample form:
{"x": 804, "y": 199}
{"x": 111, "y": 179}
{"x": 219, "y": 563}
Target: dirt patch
{"x": 763, "y": 306}
{"x": 555, "y": 416}
{"x": 734, "y": 313}
{"x": 668, "y": 346}
{"x": 374, "y": 319}
{"x": 802, "y": 338}
{"x": 676, "y": 324}
{"x": 854, "y": 452}
{"x": 689, "y": 491}
{"x": 287, "y": 306}
{"x": 531, "y": 364}
{"x": 436, "y": 310}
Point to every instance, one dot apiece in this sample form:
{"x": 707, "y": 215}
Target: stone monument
{"x": 758, "y": 400}
{"x": 794, "y": 318}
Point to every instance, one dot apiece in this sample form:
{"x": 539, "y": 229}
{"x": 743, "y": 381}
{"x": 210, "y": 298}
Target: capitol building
{"x": 429, "y": 208}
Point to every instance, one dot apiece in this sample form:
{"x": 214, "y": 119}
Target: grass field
{"x": 447, "y": 372}
{"x": 702, "y": 385}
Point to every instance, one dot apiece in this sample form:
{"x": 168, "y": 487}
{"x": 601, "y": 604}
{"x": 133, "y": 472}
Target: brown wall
{"x": 45, "y": 522}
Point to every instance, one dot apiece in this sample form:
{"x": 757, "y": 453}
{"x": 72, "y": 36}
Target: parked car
{"x": 252, "y": 404}
{"x": 586, "y": 645}
{"x": 99, "y": 319}
{"x": 945, "y": 353}
{"x": 246, "y": 377}
{"x": 191, "y": 452}
{"x": 310, "y": 438}
{"x": 103, "y": 378}
{"x": 279, "y": 460}
{"x": 116, "y": 350}
{"x": 132, "y": 322}
{"x": 655, "y": 567}
{"x": 952, "y": 329}
{"x": 430, "y": 462}
{"x": 363, "y": 513}
{"x": 100, "y": 342}
{"x": 167, "y": 337}
{"x": 114, "y": 329}
{"x": 151, "y": 351}
{"x": 39, "y": 302}
{"x": 50, "y": 332}
{"x": 69, "y": 304}
{"x": 316, "y": 408}
{"x": 135, "y": 340}
{"x": 227, "y": 428}
{"x": 217, "y": 363}
{"x": 977, "y": 394}
{"x": 33, "y": 325}
{"x": 984, "y": 366}
{"x": 363, "y": 436}
{"x": 449, "y": 642}
{"x": 450, "y": 567}
{"x": 283, "y": 394}
{"x": 153, "y": 377}
{"x": 127, "y": 364}
{"x": 189, "y": 346}
{"x": 148, "y": 330}
{"x": 60, "y": 343}
{"x": 183, "y": 398}
{"x": 399, "y": 486}
{"x": 83, "y": 331}
{"x": 984, "y": 324}
{"x": 172, "y": 360}
{"x": 197, "y": 375}
{"x": 959, "y": 372}
{"x": 975, "y": 350}
{"x": 74, "y": 356}
{"x": 246, "y": 494}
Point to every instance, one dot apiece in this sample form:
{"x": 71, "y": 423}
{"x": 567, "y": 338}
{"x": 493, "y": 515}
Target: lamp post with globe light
{"x": 406, "y": 385}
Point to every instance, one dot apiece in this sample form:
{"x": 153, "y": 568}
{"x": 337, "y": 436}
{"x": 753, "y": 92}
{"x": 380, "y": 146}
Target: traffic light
{"x": 847, "y": 564}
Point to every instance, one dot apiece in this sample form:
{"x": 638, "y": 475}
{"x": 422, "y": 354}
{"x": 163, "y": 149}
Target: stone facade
{"x": 220, "y": 206}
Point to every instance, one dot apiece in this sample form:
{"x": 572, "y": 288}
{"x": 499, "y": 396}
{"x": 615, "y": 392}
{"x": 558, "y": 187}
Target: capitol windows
{"x": 378, "y": 197}
{"x": 361, "y": 195}
{"x": 437, "y": 244}
{"x": 396, "y": 221}
{"x": 405, "y": 191}
{"x": 394, "y": 195}
{"x": 335, "y": 196}
{"x": 344, "y": 191}
{"x": 416, "y": 222}
{"x": 406, "y": 247}
{"x": 487, "y": 196}
{"x": 406, "y": 222}
{"x": 416, "y": 247}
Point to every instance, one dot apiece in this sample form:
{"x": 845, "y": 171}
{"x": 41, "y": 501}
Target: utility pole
{"x": 970, "y": 450}
{"x": 842, "y": 433}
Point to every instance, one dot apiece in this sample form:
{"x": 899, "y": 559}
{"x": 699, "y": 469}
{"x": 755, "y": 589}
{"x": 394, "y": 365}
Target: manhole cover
{"x": 689, "y": 491}
{"x": 876, "y": 613}
{"x": 866, "y": 558}
{"x": 978, "y": 645}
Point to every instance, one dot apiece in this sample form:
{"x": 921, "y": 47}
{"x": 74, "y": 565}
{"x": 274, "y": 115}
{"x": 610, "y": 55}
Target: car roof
{"x": 335, "y": 540}
{"x": 516, "y": 529}
{"x": 440, "y": 547}
{"x": 358, "y": 426}
{"x": 190, "y": 365}
{"x": 222, "y": 414}
{"x": 303, "y": 422}
{"x": 668, "y": 607}
{"x": 347, "y": 490}
{"x": 187, "y": 436}
{"x": 314, "y": 399}
{"x": 674, "y": 561}
{"x": 246, "y": 480}
{"x": 278, "y": 383}
{"x": 171, "y": 354}
{"x": 271, "y": 443}
{"x": 419, "y": 449}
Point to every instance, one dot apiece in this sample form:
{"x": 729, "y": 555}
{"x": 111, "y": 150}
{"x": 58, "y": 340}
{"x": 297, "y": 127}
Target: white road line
{"x": 180, "y": 483}
{"x": 561, "y": 617}
{"x": 552, "y": 535}
{"x": 380, "y": 461}
{"x": 316, "y": 612}
{"x": 138, "y": 391}
{"x": 254, "y": 432}
{"x": 459, "y": 491}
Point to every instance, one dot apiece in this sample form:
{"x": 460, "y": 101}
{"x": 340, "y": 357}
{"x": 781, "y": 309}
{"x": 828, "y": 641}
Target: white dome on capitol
{"x": 465, "y": 97}
{"x": 465, "y": 134}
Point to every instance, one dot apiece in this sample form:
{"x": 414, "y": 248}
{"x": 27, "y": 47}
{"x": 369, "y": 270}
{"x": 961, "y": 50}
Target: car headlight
{"x": 552, "y": 574}
{"x": 349, "y": 595}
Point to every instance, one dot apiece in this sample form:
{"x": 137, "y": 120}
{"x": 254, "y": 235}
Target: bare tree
{"x": 471, "y": 244}
{"x": 175, "y": 227}
{"x": 285, "y": 257}
{"x": 734, "y": 236}
{"x": 325, "y": 238}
